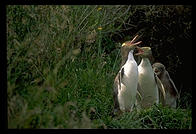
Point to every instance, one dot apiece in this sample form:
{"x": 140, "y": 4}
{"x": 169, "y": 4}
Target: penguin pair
{"x": 155, "y": 83}
{"x": 133, "y": 81}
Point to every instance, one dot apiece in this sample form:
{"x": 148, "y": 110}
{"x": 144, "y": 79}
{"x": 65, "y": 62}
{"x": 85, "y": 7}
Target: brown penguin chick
{"x": 170, "y": 89}
{"x": 125, "y": 83}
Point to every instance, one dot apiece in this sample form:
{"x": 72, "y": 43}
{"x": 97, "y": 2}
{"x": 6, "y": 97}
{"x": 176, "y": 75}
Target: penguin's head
{"x": 144, "y": 52}
{"x": 129, "y": 46}
{"x": 158, "y": 68}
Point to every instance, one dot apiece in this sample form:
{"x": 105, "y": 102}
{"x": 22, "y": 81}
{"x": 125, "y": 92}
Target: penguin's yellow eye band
{"x": 123, "y": 44}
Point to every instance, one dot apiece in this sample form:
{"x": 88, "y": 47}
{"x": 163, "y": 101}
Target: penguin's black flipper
{"x": 115, "y": 93}
{"x": 162, "y": 94}
{"x": 173, "y": 87}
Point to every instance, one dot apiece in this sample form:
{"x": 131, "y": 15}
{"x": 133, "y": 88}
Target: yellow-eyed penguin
{"x": 170, "y": 88}
{"x": 125, "y": 83}
{"x": 149, "y": 85}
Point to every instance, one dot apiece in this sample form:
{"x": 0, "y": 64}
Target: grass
{"x": 61, "y": 63}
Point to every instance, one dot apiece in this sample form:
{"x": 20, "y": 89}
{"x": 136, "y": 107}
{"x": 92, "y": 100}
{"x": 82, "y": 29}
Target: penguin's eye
{"x": 161, "y": 69}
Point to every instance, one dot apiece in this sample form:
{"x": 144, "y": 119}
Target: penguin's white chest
{"x": 146, "y": 77}
{"x": 148, "y": 85}
{"x": 129, "y": 81}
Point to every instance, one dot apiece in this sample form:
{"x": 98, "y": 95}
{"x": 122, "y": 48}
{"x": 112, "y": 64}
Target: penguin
{"x": 149, "y": 85}
{"x": 172, "y": 93}
{"x": 125, "y": 83}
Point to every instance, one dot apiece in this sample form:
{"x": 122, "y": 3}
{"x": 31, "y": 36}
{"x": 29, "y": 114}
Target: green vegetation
{"x": 61, "y": 63}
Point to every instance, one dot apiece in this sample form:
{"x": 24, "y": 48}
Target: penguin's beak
{"x": 133, "y": 42}
{"x": 156, "y": 70}
{"x": 140, "y": 51}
